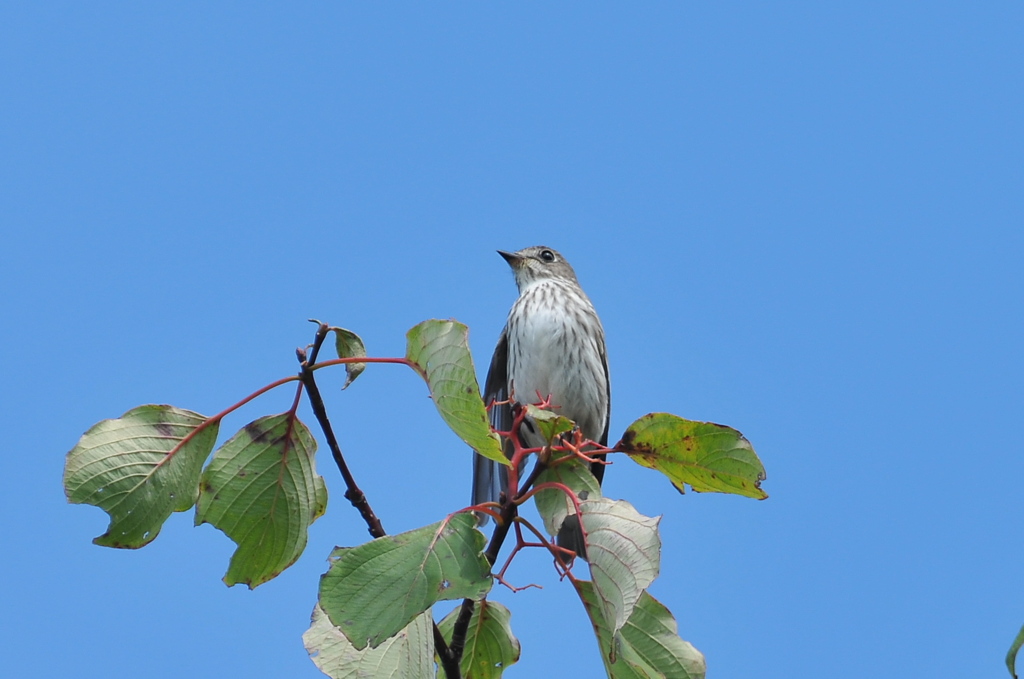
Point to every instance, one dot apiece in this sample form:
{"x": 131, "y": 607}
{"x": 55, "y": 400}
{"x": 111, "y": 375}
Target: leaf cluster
{"x": 374, "y": 611}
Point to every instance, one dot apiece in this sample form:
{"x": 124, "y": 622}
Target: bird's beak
{"x": 514, "y": 260}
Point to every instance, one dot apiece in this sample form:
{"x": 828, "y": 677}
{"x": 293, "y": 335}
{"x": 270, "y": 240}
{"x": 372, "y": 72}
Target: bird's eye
{"x": 547, "y": 255}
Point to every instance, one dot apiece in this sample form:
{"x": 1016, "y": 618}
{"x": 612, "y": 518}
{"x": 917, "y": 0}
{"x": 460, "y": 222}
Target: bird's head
{"x": 536, "y": 264}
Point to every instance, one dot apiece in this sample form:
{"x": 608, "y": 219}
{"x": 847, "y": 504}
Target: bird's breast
{"x": 556, "y": 349}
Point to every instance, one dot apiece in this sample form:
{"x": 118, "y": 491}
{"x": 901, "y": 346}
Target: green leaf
{"x": 490, "y": 645}
{"x": 707, "y": 456}
{"x": 552, "y": 503}
{"x": 550, "y": 423}
{"x": 439, "y": 350}
{"x": 376, "y": 589}
{"x": 1011, "y": 656}
{"x": 350, "y": 345}
{"x": 138, "y": 469}
{"x": 624, "y": 551}
{"x": 648, "y": 646}
{"x": 262, "y": 490}
{"x": 409, "y": 654}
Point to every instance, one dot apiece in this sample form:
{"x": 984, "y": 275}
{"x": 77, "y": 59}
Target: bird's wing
{"x": 598, "y": 469}
{"x": 490, "y": 478}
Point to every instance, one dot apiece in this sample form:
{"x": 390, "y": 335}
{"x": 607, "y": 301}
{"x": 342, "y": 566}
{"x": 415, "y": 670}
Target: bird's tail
{"x": 570, "y": 536}
{"x": 489, "y": 480}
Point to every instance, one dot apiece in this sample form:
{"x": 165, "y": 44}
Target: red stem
{"x": 227, "y": 411}
{"x": 364, "y": 359}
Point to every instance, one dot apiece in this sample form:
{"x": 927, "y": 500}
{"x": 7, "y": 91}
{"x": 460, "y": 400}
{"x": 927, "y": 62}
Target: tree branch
{"x": 352, "y": 491}
{"x": 449, "y": 662}
{"x": 508, "y": 514}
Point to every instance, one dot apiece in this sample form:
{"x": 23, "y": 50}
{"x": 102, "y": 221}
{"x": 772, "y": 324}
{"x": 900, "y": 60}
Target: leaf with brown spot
{"x": 139, "y": 469}
{"x": 552, "y": 503}
{"x": 267, "y": 495}
{"x": 706, "y": 456}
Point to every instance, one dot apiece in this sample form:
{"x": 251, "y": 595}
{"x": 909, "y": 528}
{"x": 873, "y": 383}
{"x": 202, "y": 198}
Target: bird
{"x": 553, "y": 346}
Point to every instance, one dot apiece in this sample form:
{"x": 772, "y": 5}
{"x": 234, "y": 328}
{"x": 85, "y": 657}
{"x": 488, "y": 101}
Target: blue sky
{"x": 802, "y": 221}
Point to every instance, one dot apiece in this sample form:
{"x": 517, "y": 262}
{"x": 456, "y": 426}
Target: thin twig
{"x": 449, "y": 662}
{"x": 352, "y": 491}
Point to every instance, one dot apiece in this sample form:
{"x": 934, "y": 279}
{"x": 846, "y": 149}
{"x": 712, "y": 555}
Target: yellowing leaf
{"x": 707, "y": 456}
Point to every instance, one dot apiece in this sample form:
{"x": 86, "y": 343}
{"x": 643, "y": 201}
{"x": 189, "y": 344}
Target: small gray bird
{"x": 552, "y": 345}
